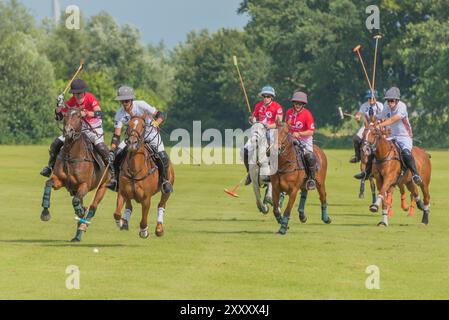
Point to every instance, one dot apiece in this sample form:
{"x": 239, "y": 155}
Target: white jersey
{"x": 400, "y": 128}
{"x": 139, "y": 108}
{"x": 377, "y": 109}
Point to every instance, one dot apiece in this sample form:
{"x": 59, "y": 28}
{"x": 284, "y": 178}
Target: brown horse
{"x": 77, "y": 171}
{"x": 291, "y": 177}
{"x": 139, "y": 178}
{"x": 387, "y": 171}
{"x": 365, "y": 152}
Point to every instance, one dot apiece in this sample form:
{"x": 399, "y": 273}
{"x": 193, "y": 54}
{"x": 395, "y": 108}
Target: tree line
{"x": 289, "y": 44}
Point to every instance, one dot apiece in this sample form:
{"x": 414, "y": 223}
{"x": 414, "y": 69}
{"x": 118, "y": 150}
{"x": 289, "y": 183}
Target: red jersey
{"x": 267, "y": 114}
{"x": 89, "y": 103}
{"x": 300, "y": 121}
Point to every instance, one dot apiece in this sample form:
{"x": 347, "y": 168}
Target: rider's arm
{"x": 116, "y": 138}
{"x": 390, "y": 121}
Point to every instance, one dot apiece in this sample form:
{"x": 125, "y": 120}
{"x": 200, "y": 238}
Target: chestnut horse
{"x": 387, "y": 171}
{"x": 291, "y": 177}
{"x": 139, "y": 178}
{"x": 365, "y": 152}
{"x": 77, "y": 171}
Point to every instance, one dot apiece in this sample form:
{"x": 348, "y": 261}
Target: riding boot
{"x": 103, "y": 150}
{"x": 246, "y": 161}
{"x": 367, "y": 173}
{"x": 311, "y": 166}
{"x": 357, "y": 142}
{"x": 116, "y": 163}
{"x": 163, "y": 164}
{"x": 54, "y": 150}
{"x": 410, "y": 163}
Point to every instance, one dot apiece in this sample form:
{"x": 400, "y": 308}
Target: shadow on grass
{"x": 63, "y": 243}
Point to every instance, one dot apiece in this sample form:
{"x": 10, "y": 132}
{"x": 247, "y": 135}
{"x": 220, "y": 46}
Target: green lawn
{"x": 217, "y": 247}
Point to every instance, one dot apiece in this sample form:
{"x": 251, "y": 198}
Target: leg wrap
{"x": 302, "y": 202}
{"x": 47, "y": 195}
{"x": 79, "y": 210}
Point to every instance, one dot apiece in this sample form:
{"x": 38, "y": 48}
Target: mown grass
{"x": 217, "y": 247}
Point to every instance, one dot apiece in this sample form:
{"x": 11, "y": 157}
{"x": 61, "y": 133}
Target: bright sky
{"x": 167, "y": 20}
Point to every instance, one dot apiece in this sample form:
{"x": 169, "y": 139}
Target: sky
{"x": 167, "y": 20}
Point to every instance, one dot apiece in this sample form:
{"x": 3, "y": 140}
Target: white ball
{"x": 96, "y": 250}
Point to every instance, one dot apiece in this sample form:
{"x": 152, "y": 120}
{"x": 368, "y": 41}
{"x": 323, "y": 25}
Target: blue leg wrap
{"x": 91, "y": 214}
{"x": 47, "y": 195}
{"x": 284, "y": 225}
{"x": 302, "y": 202}
{"x": 79, "y": 210}
{"x": 324, "y": 215}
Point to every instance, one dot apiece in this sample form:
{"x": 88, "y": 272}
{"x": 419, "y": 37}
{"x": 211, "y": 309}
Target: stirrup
{"x": 311, "y": 184}
{"x": 417, "y": 179}
{"x": 167, "y": 184}
{"x": 112, "y": 185}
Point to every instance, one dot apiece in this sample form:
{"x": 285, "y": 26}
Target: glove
{"x": 111, "y": 156}
{"x": 251, "y": 120}
{"x": 58, "y": 115}
{"x": 60, "y": 100}
{"x": 155, "y": 124}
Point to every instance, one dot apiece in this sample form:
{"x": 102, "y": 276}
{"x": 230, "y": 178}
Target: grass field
{"x": 216, "y": 247}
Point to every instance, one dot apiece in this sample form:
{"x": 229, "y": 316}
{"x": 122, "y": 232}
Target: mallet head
{"x": 357, "y": 48}
{"x": 377, "y": 36}
{"x": 231, "y": 193}
{"x": 234, "y": 58}
{"x": 340, "y": 112}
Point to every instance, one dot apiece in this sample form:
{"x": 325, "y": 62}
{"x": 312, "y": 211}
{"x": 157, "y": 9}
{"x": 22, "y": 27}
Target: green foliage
{"x": 26, "y": 82}
{"x": 206, "y": 83}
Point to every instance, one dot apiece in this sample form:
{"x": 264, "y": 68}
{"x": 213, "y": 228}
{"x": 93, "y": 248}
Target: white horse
{"x": 259, "y": 166}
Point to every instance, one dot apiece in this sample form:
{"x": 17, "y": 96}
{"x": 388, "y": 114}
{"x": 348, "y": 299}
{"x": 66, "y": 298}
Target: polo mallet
{"x": 377, "y": 37}
{"x": 80, "y": 68}
{"x": 241, "y": 83}
{"x": 232, "y": 192}
{"x": 83, "y": 220}
{"x": 357, "y": 49}
{"x": 343, "y": 114}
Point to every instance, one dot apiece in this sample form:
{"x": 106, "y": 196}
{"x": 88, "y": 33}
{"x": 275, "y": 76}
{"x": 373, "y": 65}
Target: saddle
{"x": 95, "y": 156}
{"x": 300, "y": 157}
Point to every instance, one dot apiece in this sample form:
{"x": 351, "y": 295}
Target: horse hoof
{"x": 361, "y": 196}
{"x": 124, "y": 225}
{"x": 268, "y": 201}
{"x": 159, "y": 230}
{"x": 265, "y": 210}
{"x": 144, "y": 234}
{"x": 382, "y": 224}
{"x": 282, "y": 231}
{"x": 45, "y": 215}
{"x": 373, "y": 208}
{"x": 302, "y": 217}
{"x": 425, "y": 218}
{"x": 328, "y": 221}
{"x": 75, "y": 240}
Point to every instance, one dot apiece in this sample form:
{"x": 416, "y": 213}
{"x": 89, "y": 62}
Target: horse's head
{"x": 283, "y": 136}
{"x": 135, "y": 133}
{"x": 72, "y": 123}
{"x": 373, "y": 135}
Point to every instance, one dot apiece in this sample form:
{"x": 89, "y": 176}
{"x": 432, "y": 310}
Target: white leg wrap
{"x": 385, "y": 216}
{"x": 427, "y": 207}
{"x": 417, "y": 198}
{"x": 379, "y": 200}
{"x": 127, "y": 214}
{"x": 160, "y": 215}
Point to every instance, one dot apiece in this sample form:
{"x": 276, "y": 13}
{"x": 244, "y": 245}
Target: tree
{"x": 206, "y": 83}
